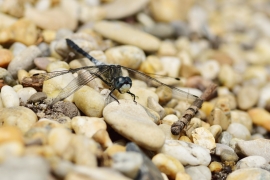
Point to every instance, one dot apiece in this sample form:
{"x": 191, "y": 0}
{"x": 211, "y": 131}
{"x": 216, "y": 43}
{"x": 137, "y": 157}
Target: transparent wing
{"x": 176, "y": 92}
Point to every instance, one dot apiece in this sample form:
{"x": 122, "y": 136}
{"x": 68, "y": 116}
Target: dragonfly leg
{"x": 110, "y": 94}
{"x": 133, "y": 95}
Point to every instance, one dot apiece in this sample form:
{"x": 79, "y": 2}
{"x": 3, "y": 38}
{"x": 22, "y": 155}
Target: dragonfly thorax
{"x": 122, "y": 84}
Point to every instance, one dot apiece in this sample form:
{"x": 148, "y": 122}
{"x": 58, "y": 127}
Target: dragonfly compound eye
{"x": 123, "y": 84}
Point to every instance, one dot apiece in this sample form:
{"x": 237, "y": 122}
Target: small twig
{"x": 178, "y": 126}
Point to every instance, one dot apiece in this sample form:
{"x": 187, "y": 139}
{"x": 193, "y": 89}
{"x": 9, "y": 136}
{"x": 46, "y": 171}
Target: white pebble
{"x": 9, "y": 97}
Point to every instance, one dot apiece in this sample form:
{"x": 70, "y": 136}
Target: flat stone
{"x": 238, "y": 130}
{"x": 249, "y": 174}
{"x": 133, "y": 122}
{"x": 120, "y": 8}
{"x": 257, "y": 147}
{"x": 121, "y": 32}
{"x": 186, "y": 153}
{"x": 251, "y": 162}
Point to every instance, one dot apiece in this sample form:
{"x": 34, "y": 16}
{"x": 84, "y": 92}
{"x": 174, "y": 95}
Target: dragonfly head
{"x": 122, "y": 84}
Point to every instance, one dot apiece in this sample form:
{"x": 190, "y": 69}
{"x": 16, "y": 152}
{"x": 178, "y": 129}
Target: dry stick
{"x": 178, "y": 126}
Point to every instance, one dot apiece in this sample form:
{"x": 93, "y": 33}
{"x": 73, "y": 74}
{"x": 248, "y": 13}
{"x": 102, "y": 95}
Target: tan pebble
{"x": 207, "y": 107}
{"x": 22, "y": 74}
{"x": 45, "y": 151}
{"x": 218, "y": 117}
{"x": 222, "y": 58}
{"x": 120, "y": 32}
{"x": 169, "y": 10}
{"x": 11, "y": 149}
{"x": 204, "y": 138}
{"x": 167, "y": 48}
{"x": 188, "y": 71}
{"x": 164, "y": 94}
{"x": 242, "y": 117}
{"x": 168, "y": 165}
{"x": 87, "y": 126}
{"x": 20, "y": 116}
{"x": 249, "y": 174}
{"x": 48, "y": 35}
{"x": 11, "y": 133}
{"x": 167, "y": 131}
{"x": 260, "y": 117}
{"x": 182, "y": 176}
{"x": 5, "y": 57}
{"x": 215, "y": 130}
{"x": 194, "y": 123}
{"x": 227, "y": 76}
{"x": 36, "y": 134}
{"x": 114, "y": 148}
{"x": 155, "y": 106}
{"x": 89, "y": 101}
{"x": 152, "y": 64}
{"x": 59, "y": 139}
{"x": 65, "y": 121}
{"x": 103, "y": 138}
{"x": 7, "y": 20}
{"x": 215, "y": 166}
{"x": 115, "y": 10}
{"x": 169, "y": 119}
{"x": 17, "y": 87}
{"x": 253, "y": 96}
{"x": 49, "y": 124}
{"x": 128, "y": 56}
{"x": 91, "y": 13}
{"x": 56, "y": 65}
{"x": 209, "y": 69}
{"x": 257, "y": 74}
{"x": 205, "y": 124}
{"x": 185, "y": 138}
{"x": 171, "y": 65}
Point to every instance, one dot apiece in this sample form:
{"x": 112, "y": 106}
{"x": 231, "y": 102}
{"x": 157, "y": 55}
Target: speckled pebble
{"x": 218, "y": 117}
{"x": 225, "y": 138}
{"x": 186, "y": 153}
{"x": 133, "y": 122}
{"x": 227, "y": 155}
{"x": 203, "y": 137}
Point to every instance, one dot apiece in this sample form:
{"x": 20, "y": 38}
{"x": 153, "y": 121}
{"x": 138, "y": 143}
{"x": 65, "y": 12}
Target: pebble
{"x": 168, "y": 165}
{"x": 91, "y": 13}
{"x": 89, "y": 101}
{"x": 26, "y": 168}
{"x": 227, "y": 76}
{"x": 25, "y": 93}
{"x": 215, "y": 166}
{"x": 115, "y": 10}
{"x": 249, "y": 174}
{"x": 194, "y": 123}
{"x": 11, "y": 134}
{"x": 215, "y": 130}
{"x": 113, "y": 149}
{"x": 167, "y": 48}
{"x": 238, "y": 130}
{"x": 147, "y": 170}
{"x": 199, "y": 172}
{"x": 9, "y": 97}
{"x": 167, "y": 131}
{"x": 19, "y": 116}
{"x": 238, "y": 116}
{"x": 161, "y": 30}
{"x": 186, "y": 153}
{"x": 24, "y": 60}
{"x": 255, "y": 147}
{"x": 127, "y": 163}
{"x": 218, "y": 117}
{"x": 155, "y": 106}
{"x": 256, "y": 74}
{"x": 228, "y": 155}
{"x": 260, "y": 117}
{"x": 36, "y": 134}
{"x": 225, "y": 138}
{"x": 120, "y": 32}
{"x": 16, "y": 48}
{"x": 56, "y": 65}
{"x": 126, "y": 55}
{"x": 264, "y": 95}
{"x": 47, "y": 123}
{"x": 181, "y": 176}
{"x": 253, "y": 96}
{"x": 87, "y": 126}
{"x": 169, "y": 119}
{"x": 209, "y": 69}
{"x": 37, "y": 97}
{"x": 185, "y": 139}
{"x": 251, "y": 162}
{"x": 102, "y": 137}
{"x": 164, "y": 94}
{"x": 133, "y": 122}
{"x": 87, "y": 173}
{"x": 171, "y": 65}
{"x": 66, "y": 108}
{"x": 5, "y": 57}
{"x": 203, "y": 137}
{"x": 221, "y": 147}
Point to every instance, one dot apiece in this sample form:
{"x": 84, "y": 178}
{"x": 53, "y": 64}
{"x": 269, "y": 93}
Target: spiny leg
{"x": 133, "y": 95}
{"x": 110, "y": 94}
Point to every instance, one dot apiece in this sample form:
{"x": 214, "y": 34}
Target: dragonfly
{"x": 111, "y": 75}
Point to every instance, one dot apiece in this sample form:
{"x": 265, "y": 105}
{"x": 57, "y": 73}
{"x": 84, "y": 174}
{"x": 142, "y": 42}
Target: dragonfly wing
{"x": 176, "y": 92}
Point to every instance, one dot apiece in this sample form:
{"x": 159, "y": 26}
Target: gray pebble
{"x": 198, "y": 172}
{"x": 227, "y": 155}
{"x": 225, "y": 138}
{"x": 37, "y": 97}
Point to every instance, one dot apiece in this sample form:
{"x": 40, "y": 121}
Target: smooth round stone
{"x": 155, "y": 106}
{"x": 185, "y": 139}
{"x": 242, "y": 117}
{"x": 120, "y": 32}
{"x": 47, "y": 123}
{"x": 209, "y": 69}
{"x": 161, "y": 30}
{"x": 198, "y": 172}
{"x": 181, "y": 176}
{"x": 249, "y": 174}
{"x": 207, "y": 107}
{"x": 228, "y": 155}
{"x": 215, "y": 130}
{"x": 127, "y": 163}
{"x": 169, "y": 119}
{"x": 171, "y": 65}
{"x": 164, "y": 94}
{"x": 257, "y": 147}
{"x": 133, "y": 122}
{"x": 87, "y": 126}
{"x": 168, "y": 165}
{"x": 257, "y": 74}
{"x": 102, "y": 137}
{"x": 225, "y": 138}
{"x": 251, "y": 162}
{"x": 126, "y": 55}
{"x": 91, "y": 13}
{"x": 218, "y": 117}
{"x": 115, "y": 10}
{"x": 17, "y": 48}
{"x": 238, "y": 130}
{"x": 11, "y": 134}
{"x": 9, "y": 97}
{"x": 113, "y": 149}
{"x": 89, "y": 101}
{"x": 203, "y": 137}
{"x": 194, "y": 123}
{"x": 10, "y": 150}
{"x": 19, "y": 116}
{"x": 24, "y": 60}
{"x": 55, "y": 65}
{"x": 27, "y": 168}
{"x": 264, "y": 95}
{"x": 5, "y": 57}
{"x": 167, "y": 48}
{"x": 260, "y": 117}
{"x": 215, "y": 166}
{"x": 227, "y": 76}
{"x": 25, "y": 93}
{"x": 186, "y": 153}
{"x": 247, "y": 91}
{"x": 167, "y": 131}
